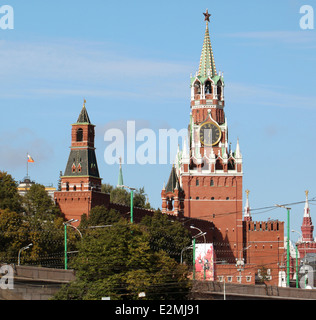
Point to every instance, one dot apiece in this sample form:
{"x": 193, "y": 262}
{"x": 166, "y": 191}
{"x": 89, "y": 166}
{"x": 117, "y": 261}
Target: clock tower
{"x": 206, "y": 178}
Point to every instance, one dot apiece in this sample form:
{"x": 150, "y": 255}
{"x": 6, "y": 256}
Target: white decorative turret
{"x": 247, "y": 214}
{"x": 306, "y": 208}
{"x": 237, "y": 152}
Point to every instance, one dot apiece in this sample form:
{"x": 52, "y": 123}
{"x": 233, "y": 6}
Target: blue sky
{"x": 131, "y": 60}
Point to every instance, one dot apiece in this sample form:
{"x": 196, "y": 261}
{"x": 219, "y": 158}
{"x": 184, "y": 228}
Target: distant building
{"x": 26, "y": 184}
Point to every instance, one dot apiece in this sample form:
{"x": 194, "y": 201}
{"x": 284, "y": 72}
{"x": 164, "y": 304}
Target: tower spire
{"x": 307, "y": 225}
{"x": 306, "y": 208}
{"x": 83, "y": 116}
{"x": 207, "y": 66}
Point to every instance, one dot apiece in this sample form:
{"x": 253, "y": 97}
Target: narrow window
{"x": 208, "y": 87}
{"x": 212, "y": 183}
{"x": 197, "y": 182}
{"x": 197, "y": 88}
{"x": 79, "y": 135}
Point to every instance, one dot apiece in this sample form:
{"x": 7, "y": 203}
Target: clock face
{"x": 210, "y": 134}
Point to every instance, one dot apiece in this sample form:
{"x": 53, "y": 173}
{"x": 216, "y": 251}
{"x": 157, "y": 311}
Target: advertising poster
{"x": 204, "y": 259}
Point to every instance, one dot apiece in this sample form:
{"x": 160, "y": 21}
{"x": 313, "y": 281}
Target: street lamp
{"x": 240, "y": 263}
{"x": 197, "y": 236}
{"x": 287, "y": 244}
{"x": 186, "y": 248}
{"x": 22, "y": 249}
{"x": 132, "y": 190}
{"x": 68, "y": 223}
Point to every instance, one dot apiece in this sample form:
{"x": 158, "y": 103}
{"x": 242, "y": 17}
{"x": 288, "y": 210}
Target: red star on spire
{"x": 207, "y": 16}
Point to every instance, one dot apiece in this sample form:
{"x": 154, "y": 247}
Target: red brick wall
{"x": 74, "y": 204}
{"x": 266, "y": 239}
{"x": 226, "y": 214}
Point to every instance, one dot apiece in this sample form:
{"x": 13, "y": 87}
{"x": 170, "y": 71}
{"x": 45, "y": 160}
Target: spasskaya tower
{"x": 206, "y": 178}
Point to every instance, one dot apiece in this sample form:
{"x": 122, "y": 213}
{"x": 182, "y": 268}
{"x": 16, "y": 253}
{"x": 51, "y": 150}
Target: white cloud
{"x": 71, "y": 67}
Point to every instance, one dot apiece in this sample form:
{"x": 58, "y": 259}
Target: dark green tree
{"x": 13, "y": 235}
{"x": 167, "y": 234}
{"x": 37, "y": 202}
{"x": 118, "y": 262}
{"x": 122, "y": 196}
{"x": 9, "y": 197}
{"x": 100, "y": 215}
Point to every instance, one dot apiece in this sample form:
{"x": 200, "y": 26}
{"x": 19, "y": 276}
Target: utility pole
{"x": 67, "y": 223}
{"x": 193, "y": 258}
{"x": 132, "y": 196}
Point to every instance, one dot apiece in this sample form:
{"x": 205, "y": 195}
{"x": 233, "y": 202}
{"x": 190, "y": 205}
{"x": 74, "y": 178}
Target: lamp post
{"x": 287, "y": 245}
{"x": 67, "y": 223}
{"x": 22, "y": 249}
{"x": 186, "y": 248}
{"x": 132, "y": 196}
{"x": 196, "y": 236}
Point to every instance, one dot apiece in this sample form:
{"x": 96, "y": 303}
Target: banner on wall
{"x": 204, "y": 259}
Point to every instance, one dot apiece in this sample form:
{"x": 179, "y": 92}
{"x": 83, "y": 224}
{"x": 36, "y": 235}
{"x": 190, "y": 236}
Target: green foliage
{"x": 118, "y": 262}
{"x": 100, "y": 215}
{"x": 30, "y": 219}
{"x": 12, "y": 234}
{"x": 167, "y": 235}
{"x": 38, "y": 203}
{"x": 122, "y": 196}
{"x": 9, "y": 197}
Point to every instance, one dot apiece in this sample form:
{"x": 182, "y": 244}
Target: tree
{"x": 140, "y": 199}
{"x": 122, "y": 196}
{"x": 118, "y": 262}
{"x": 9, "y": 197}
{"x": 166, "y": 234}
{"x": 100, "y": 215}
{"x": 12, "y": 235}
{"x": 37, "y": 202}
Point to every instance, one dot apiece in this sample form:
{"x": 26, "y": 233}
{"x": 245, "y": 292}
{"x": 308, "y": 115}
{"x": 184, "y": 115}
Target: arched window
{"x": 79, "y": 136}
{"x": 197, "y": 87}
{"x": 67, "y": 186}
{"x": 219, "y": 165}
{"x": 208, "y": 87}
{"x": 219, "y": 89}
{"x": 231, "y": 164}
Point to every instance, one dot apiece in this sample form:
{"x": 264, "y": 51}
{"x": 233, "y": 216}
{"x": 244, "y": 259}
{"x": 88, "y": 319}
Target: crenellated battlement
{"x": 273, "y": 225}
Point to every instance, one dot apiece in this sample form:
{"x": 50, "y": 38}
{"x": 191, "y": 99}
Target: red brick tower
{"x": 81, "y": 183}
{"x": 208, "y": 171}
{"x": 307, "y": 243}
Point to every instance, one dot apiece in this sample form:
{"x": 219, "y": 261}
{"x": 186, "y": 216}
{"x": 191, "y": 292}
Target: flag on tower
{"x": 29, "y": 158}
